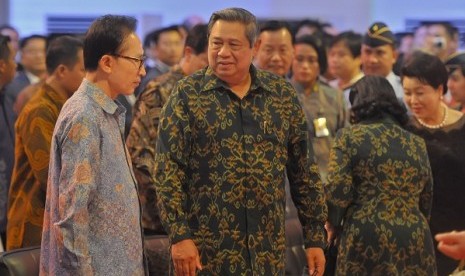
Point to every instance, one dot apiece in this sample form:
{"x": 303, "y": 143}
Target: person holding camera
{"x": 444, "y": 39}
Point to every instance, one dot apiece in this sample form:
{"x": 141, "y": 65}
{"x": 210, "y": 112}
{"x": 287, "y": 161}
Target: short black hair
{"x": 4, "y": 49}
{"x": 197, "y": 38}
{"x": 372, "y": 97}
{"x": 456, "y": 61}
{"x": 450, "y": 29}
{"x": 316, "y": 43}
{"x": 63, "y": 50}
{"x": 428, "y": 69}
{"x": 352, "y": 40}
{"x": 23, "y": 43}
{"x": 8, "y": 27}
{"x": 105, "y": 36}
{"x": 309, "y": 23}
{"x": 240, "y": 15}
{"x": 154, "y": 36}
{"x": 401, "y": 35}
{"x": 276, "y": 25}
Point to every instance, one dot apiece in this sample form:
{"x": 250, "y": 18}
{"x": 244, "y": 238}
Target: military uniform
{"x": 379, "y": 34}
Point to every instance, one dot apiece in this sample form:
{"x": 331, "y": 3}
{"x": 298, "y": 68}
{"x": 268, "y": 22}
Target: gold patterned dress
{"x": 380, "y": 186}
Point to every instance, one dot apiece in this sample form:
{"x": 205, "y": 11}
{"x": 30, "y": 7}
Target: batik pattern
{"x": 220, "y": 172}
{"x": 380, "y": 186}
{"x": 92, "y": 223}
{"x": 142, "y": 141}
{"x": 34, "y": 129}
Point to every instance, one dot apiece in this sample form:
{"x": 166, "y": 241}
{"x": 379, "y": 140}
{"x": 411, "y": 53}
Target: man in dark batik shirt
{"x": 226, "y": 136}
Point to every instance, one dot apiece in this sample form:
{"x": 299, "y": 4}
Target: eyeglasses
{"x": 141, "y": 60}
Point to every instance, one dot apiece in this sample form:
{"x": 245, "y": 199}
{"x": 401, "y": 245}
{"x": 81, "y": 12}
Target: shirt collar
{"x": 177, "y": 70}
{"x": 103, "y": 100}
{"x": 391, "y": 77}
{"x": 211, "y": 81}
{"x": 56, "y": 97}
{"x": 300, "y": 89}
{"x": 33, "y": 79}
{"x": 163, "y": 67}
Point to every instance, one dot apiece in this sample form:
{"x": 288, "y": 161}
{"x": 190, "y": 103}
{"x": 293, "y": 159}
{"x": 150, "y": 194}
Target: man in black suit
{"x": 32, "y": 51}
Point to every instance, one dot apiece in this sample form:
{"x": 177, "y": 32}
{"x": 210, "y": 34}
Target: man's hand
{"x": 331, "y": 231}
{"x": 316, "y": 261}
{"x": 452, "y": 244}
{"x": 186, "y": 258}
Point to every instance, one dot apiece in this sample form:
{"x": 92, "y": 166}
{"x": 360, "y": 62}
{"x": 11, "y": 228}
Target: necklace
{"x": 441, "y": 124}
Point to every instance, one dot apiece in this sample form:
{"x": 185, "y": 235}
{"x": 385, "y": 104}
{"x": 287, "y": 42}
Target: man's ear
{"x": 395, "y": 53}
{"x": 154, "y": 51}
{"x": 188, "y": 51}
{"x": 2, "y": 66}
{"x": 106, "y": 63}
{"x": 61, "y": 70}
{"x": 256, "y": 46}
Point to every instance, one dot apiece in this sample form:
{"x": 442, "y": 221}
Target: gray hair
{"x": 237, "y": 15}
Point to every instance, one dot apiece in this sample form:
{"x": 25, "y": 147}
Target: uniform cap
{"x": 378, "y": 34}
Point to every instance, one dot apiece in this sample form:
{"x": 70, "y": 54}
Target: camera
{"x": 439, "y": 42}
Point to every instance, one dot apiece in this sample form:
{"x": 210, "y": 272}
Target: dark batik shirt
{"x": 142, "y": 141}
{"x": 92, "y": 223}
{"x": 220, "y": 169}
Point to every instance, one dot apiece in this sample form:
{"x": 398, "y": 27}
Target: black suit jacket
{"x": 14, "y": 87}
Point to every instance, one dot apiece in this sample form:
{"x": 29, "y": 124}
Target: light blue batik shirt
{"x": 92, "y": 223}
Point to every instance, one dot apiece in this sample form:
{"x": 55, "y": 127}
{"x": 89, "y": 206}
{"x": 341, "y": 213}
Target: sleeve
{"x": 142, "y": 141}
{"x": 340, "y": 190}
{"x": 426, "y": 195}
{"x": 36, "y": 134}
{"x": 173, "y": 148}
{"x": 304, "y": 181}
{"x": 80, "y": 173}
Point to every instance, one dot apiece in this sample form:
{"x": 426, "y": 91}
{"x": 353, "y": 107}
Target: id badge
{"x": 321, "y": 130}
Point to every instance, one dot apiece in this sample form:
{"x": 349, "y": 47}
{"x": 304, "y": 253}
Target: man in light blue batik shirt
{"x": 92, "y": 221}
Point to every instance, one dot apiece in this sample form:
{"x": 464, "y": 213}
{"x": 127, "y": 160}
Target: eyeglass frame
{"x": 141, "y": 60}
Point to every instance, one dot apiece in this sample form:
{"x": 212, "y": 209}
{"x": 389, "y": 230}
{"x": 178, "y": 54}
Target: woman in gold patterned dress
{"x": 380, "y": 186}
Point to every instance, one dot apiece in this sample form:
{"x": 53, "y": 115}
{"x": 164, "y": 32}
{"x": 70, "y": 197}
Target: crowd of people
{"x": 209, "y": 133}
